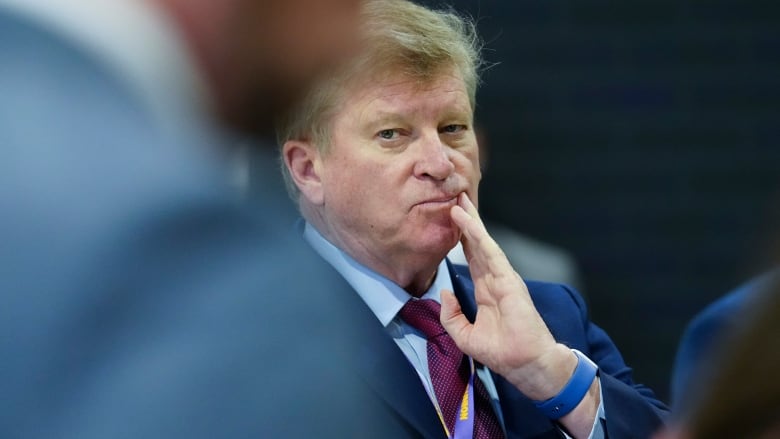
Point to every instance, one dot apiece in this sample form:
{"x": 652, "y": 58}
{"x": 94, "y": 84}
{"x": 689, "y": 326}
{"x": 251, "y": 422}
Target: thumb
{"x": 452, "y": 318}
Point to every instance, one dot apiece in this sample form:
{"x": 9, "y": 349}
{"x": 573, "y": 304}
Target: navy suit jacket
{"x": 137, "y": 299}
{"x": 632, "y": 410}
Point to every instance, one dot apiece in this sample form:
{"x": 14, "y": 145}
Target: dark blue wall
{"x": 643, "y": 136}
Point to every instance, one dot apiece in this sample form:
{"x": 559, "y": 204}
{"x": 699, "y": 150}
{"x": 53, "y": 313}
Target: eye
{"x": 453, "y": 128}
{"x": 389, "y": 134}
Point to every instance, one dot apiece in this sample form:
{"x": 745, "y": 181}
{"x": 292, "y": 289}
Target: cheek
{"x": 468, "y": 167}
{"x": 351, "y": 184}
{"x": 467, "y": 164}
{"x": 369, "y": 185}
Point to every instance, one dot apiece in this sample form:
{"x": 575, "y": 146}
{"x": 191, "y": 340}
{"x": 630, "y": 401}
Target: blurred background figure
{"x": 138, "y": 298}
{"x": 737, "y": 393}
{"x": 709, "y": 330}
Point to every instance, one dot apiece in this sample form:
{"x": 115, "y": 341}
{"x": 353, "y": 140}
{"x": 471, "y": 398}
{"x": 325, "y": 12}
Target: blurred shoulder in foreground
{"x": 139, "y": 298}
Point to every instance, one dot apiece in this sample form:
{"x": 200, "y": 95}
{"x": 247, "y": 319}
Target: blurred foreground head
{"x": 739, "y": 396}
{"x": 257, "y": 56}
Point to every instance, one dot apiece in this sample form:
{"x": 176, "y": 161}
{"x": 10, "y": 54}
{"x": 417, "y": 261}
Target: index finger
{"x": 477, "y": 243}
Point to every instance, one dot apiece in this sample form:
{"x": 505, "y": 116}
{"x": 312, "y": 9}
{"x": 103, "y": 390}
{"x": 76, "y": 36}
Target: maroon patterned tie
{"x": 449, "y": 370}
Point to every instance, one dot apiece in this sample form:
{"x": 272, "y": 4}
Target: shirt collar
{"x": 135, "y": 40}
{"x": 383, "y": 296}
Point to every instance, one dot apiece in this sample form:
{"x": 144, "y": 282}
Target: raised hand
{"x": 508, "y": 335}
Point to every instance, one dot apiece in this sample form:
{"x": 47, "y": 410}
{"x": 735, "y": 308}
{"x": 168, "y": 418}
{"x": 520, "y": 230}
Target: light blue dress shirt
{"x": 386, "y": 298}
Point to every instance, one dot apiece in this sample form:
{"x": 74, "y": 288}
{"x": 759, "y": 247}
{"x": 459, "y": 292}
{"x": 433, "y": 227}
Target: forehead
{"x": 403, "y": 95}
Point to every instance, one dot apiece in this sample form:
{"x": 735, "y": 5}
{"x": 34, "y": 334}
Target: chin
{"x": 437, "y": 241}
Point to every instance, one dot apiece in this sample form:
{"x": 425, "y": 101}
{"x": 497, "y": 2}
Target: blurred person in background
{"x": 383, "y": 161}
{"x": 708, "y": 330}
{"x": 737, "y": 392}
{"x": 138, "y": 300}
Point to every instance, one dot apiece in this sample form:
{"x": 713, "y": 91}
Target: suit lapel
{"x": 464, "y": 289}
{"x": 521, "y": 419}
{"x": 383, "y": 366}
{"x": 387, "y": 371}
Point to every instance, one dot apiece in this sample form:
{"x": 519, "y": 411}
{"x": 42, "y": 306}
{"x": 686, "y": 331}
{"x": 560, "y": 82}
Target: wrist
{"x": 545, "y": 377}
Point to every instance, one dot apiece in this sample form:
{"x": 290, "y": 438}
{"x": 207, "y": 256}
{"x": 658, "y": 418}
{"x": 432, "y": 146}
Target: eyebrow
{"x": 384, "y": 118}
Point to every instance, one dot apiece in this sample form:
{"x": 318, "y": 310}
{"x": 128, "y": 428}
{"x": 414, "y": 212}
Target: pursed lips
{"x": 440, "y": 201}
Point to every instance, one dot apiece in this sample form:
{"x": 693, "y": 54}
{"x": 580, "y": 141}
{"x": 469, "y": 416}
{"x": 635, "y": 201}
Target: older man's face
{"x": 400, "y": 154}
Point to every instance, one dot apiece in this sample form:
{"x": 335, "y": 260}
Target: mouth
{"x": 438, "y": 202}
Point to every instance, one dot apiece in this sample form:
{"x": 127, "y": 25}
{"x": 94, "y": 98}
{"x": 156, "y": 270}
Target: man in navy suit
{"x": 383, "y": 161}
{"x": 139, "y": 300}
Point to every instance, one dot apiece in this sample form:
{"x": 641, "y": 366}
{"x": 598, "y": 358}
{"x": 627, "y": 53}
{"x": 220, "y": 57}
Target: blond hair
{"x": 397, "y": 36}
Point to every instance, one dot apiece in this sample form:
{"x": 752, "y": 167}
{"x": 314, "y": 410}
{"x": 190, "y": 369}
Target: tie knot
{"x": 423, "y": 314}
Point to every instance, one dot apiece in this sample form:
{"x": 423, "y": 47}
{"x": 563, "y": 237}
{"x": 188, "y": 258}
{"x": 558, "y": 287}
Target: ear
{"x": 304, "y": 162}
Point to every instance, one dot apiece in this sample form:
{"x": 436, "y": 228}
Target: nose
{"x": 434, "y": 159}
